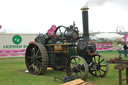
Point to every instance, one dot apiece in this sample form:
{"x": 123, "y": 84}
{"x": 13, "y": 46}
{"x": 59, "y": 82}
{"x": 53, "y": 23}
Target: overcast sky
{"x": 34, "y": 16}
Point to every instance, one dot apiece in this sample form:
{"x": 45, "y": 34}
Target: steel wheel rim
{"x": 77, "y": 67}
{"x": 34, "y": 59}
{"x": 99, "y": 66}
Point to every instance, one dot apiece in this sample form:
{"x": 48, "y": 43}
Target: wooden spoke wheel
{"x": 77, "y": 67}
{"x": 36, "y": 58}
{"x": 99, "y": 66}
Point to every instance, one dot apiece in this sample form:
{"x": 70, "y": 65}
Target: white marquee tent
{"x": 110, "y": 36}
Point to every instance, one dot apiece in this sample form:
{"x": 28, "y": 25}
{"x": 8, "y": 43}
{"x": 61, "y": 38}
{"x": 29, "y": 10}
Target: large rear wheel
{"x": 36, "y": 58}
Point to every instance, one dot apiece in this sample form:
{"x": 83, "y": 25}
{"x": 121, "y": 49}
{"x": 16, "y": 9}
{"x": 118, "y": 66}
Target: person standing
{"x": 125, "y": 49}
{"x": 120, "y": 49}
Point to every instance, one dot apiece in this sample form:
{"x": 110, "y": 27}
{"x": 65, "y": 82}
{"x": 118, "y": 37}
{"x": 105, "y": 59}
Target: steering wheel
{"x": 59, "y": 30}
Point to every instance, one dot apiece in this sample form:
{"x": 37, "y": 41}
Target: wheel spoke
{"x": 33, "y": 51}
{"x": 80, "y": 72}
{"x": 40, "y": 63}
{"x": 103, "y": 65}
{"x": 37, "y": 52}
{"x": 99, "y": 73}
{"x": 30, "y": 49}
{"x": 92, "y": 70}
{"x": 38, "y": 67}
{"x": 31, "y": 59}
{"x": 103, "y": 70}
{"x": 94, "y": 59}
{"x": 77, "y": 75}
{"x": 39, "y": 58}
{"x": 35, "y": 69}
{"x": 75, "y": 60}
{"x": 72, "y": 64}
{"x": 31, "y": 64}
{"x": 78, "y": 60}
{"x": 99, "y": 59}
{"x": 95, "y": 72}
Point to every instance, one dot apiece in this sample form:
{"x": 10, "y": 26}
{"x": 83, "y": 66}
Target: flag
{"x": 0, "y": 26}
{"x": 125, "y": 38}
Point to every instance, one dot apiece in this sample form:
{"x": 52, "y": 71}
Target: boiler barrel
{"x": 83, "y": 48}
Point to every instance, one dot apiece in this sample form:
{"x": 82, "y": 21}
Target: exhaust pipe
{"x": 85, "y": 23}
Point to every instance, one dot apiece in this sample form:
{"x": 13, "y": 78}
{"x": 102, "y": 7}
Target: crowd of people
{"x": 123, "y": 48}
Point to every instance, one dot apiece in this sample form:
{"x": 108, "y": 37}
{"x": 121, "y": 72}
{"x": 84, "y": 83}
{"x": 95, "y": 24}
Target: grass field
{"x": 12, "y": 73}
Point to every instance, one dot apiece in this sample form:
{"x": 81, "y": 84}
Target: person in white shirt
{"x": 120, "y": 49}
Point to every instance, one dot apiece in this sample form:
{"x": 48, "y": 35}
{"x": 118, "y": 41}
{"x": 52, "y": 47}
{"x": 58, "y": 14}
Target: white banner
{"x": 14, "y": 45}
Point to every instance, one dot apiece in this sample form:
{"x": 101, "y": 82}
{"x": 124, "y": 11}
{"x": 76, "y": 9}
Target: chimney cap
{"x": 84, "y": 9}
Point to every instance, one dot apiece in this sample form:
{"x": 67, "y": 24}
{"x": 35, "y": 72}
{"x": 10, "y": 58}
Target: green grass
{"x": 12, "y": 73}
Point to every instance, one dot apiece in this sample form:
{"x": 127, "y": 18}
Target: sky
{"x": 37, "y": 16}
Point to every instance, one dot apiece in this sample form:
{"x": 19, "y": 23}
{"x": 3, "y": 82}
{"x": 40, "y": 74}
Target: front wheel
{"x": 77, "y": 67}
{"x": 99, "y": 66}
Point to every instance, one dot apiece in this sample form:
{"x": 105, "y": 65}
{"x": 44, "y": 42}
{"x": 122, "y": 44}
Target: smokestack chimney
{"x": 85, "y": 23}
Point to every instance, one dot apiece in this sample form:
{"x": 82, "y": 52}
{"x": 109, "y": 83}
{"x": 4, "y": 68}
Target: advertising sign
{"x": 14, "y": 45}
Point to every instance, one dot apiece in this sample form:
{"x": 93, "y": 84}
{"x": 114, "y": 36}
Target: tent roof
{"x": 109, "y": 35}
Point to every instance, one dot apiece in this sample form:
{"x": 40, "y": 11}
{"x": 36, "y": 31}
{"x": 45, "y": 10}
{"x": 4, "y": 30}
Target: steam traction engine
{"x": 65, "y": 49}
